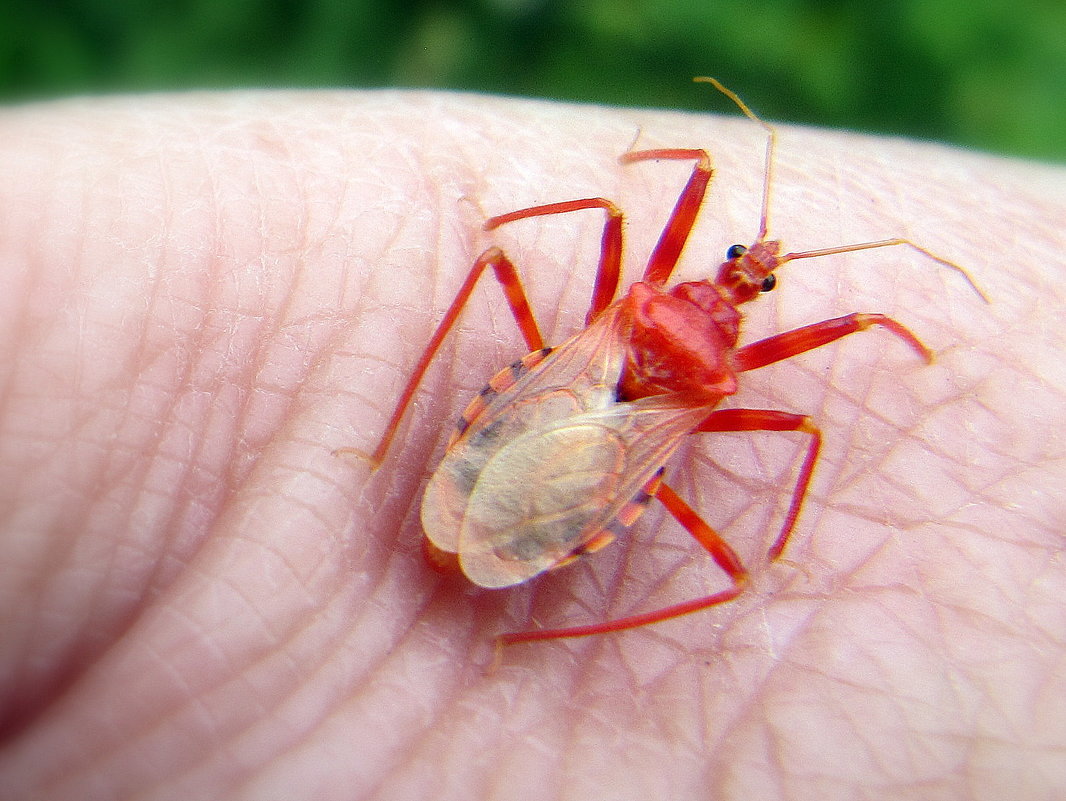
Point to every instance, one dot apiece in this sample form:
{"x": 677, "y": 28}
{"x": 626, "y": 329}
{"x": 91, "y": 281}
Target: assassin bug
{"x": 565, "y": 448}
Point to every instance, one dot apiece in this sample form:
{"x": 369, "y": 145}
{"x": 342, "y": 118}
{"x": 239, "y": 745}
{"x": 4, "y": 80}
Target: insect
{"x": 565, "y": 448}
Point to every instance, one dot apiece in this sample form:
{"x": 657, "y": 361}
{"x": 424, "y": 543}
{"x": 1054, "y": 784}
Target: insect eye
{"x": 768, "y": 283}
{"x": 735, "y": 251}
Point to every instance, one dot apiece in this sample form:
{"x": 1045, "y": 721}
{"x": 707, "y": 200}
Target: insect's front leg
{"x": 675, "y": 234}
{"x": 800, "y": 340}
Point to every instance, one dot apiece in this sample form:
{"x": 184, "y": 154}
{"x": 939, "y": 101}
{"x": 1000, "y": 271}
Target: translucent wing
{"x": 545, "y": 494}
{"x": 577, "y": 377}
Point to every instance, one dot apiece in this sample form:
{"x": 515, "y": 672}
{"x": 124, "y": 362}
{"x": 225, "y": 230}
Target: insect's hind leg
{"x": 724, "y": 555}
{"x": 711, "y": 540}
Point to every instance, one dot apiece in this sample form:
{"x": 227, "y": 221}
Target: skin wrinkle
{"x": 446, "y": 713}
{"x": 585, "y": 727}
{"x": 297, "y": 735}
{"x": 237, "y": 589}
{"x": 68, "y": 546}
{"x": 371, "y": 669}
{"x": 170, "y": 712}
{"x": 184, "y": 388}
{"x": 222, "y": 751}
{"x": 422, "y": 750}
{"x": 684, "y": 733}
{"x": 613, "y": 596}
{"x": 753, "y": 483}
{"x": 844, "y": 479}
{"x": 77, "y": 778}
{"x": 413, "y": 753}
{"x": 721, "y": 769}
{"x": 368, "y": 693}
{"x": 18, "y": 284}
{"x": 196, "y": 345}
{"x": 508, "y": 766}
{"x": 229, "y": 741}
{"x": 364, "y": 303}
{"x": 275, "y": 315}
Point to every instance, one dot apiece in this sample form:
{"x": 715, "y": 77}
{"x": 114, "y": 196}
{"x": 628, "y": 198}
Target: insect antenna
{"x": 764, "y": 225}
{"x": 771, "y": 141}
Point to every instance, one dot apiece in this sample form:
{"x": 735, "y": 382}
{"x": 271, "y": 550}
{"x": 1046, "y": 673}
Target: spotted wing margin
{"x": 543, "y": 496}
{"x": 578, "y": 376}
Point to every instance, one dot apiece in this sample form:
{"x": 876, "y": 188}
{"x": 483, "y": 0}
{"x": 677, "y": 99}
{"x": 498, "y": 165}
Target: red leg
{"x": 771, "y": 420}
{"x": 676, "y": 232}
{"x": 792, "y": 343}
{"x": 516, "y": 299}
{"x": 706, "y": 536}
{"x": 609, "y": 270}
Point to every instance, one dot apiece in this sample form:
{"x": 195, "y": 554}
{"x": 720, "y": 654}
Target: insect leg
{"x": 678, "y": 227}
{"x": 706, "y": 536}
{"x": 516, "y": 298}
{"x": 610, "y": 267}
{"x": 800, "y": 340}
{"x": 772, "y": 420}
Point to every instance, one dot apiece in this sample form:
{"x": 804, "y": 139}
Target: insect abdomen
{"x": 500, "y": 382}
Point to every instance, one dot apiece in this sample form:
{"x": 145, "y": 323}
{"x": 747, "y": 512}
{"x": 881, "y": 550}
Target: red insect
{"x": 564, "y": 449}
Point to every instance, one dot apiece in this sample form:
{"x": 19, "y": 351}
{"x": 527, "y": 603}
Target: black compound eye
{"x": 768, "y": 283}
{"x": 735, "y": 251}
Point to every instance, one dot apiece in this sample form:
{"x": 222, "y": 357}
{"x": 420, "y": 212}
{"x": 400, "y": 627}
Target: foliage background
{"x": 989, "y": 74}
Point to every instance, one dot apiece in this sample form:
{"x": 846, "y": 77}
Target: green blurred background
{"x": 989, "y": 74}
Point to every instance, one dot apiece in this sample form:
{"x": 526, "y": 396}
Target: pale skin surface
{"x": 204, "y": 296}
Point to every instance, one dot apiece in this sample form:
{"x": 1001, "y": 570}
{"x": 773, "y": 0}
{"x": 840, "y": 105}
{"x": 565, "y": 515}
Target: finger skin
{"x": 205, "y": 295}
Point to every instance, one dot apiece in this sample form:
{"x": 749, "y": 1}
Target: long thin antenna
{"x": 770, "y": 143}
{"x": 813, "y": 254}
